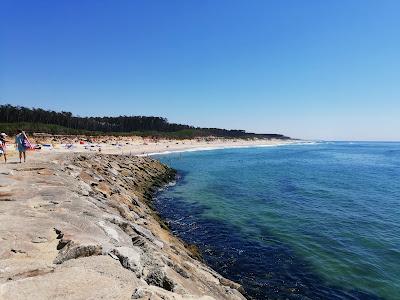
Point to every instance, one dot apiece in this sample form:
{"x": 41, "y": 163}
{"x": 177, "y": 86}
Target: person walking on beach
{"x": 22, "y": 143}
{"x": 3, "y": 146}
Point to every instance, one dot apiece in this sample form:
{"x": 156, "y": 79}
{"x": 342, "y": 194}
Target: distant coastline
{"x": 40, "y": 121}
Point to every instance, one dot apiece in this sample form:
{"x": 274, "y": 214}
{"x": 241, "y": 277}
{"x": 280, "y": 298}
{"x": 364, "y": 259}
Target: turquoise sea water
{"x": 315, "y": 221}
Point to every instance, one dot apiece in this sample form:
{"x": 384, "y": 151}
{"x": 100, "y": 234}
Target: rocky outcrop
{"x": 82, "y": 227}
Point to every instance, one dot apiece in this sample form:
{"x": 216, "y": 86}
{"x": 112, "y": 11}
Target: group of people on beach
{"x": 21, "y": 144}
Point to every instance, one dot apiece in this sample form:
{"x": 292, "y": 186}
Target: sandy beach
{"x": 137, "y": 145}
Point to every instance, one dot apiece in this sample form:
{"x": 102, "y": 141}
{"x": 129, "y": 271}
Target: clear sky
{"x": 307, "y": 69}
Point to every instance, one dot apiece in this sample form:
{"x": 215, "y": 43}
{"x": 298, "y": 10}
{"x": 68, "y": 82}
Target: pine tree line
{"x": 120, "y": 124}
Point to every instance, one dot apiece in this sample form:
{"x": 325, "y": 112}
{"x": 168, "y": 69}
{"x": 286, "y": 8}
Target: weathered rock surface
{"x": 82, "y": 227}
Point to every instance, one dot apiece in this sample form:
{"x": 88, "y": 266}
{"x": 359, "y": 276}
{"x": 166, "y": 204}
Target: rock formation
{"x": 82, "y": 227}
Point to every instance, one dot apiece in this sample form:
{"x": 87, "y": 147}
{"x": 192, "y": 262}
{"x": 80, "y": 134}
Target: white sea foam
{"x": 227, "y": 147}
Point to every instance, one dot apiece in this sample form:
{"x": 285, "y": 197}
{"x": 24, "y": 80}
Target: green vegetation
{"x": 11, "y": 128}
{"x": 64, "y": 123}
{"x": 30, "y": 128}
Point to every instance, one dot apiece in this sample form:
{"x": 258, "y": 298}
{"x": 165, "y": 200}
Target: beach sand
{"x": 138, "y": 145}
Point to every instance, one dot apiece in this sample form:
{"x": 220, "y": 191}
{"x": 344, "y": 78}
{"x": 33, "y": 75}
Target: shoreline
{"x": 228, "y": 147}
{"x": 136, "y": 146}
{"x": 85, "y": 226}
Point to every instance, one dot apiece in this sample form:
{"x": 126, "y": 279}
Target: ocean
{"x": 311, "y": 221}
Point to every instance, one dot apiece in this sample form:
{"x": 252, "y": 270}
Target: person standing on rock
{"x": 21, "y": 143}
{"x": 3, "y": 146}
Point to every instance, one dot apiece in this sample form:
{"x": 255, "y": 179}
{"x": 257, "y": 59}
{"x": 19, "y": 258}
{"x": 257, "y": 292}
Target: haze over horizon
{"x": 309, "y": 69}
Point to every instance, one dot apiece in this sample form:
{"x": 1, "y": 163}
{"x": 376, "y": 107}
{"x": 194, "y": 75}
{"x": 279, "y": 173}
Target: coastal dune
{"x": 81, "y": 226}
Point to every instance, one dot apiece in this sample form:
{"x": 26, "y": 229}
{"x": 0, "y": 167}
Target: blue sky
{"x": 307, "y": 69}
